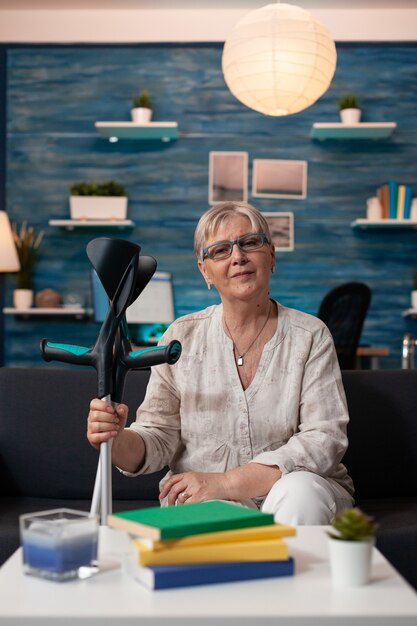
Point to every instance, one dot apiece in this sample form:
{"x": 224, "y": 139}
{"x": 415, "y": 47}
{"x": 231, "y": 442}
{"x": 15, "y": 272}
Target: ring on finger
{"x": 184, "y": 495}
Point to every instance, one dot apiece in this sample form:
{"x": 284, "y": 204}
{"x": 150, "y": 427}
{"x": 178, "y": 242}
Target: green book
{"x": 188, "y": 519}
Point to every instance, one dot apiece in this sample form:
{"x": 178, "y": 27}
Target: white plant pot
{"x": 141, "y": 115}
{"x": 98, "y": 207}
{"x": 22, "y": 298}
{"x": 350, "y": 116}
{"x": 350, "y": 562}
{"x": 414, "y": 299}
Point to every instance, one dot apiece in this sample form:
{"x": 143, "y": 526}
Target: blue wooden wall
{"x": 56, "y": 93}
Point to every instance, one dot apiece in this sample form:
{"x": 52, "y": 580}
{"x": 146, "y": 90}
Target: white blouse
{"x": 197, "y": 417}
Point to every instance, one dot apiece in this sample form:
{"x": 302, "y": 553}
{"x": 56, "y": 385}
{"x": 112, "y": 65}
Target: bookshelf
{"x": 384, "y": 224}
{"x": 74, "y": 312}
{"x": 362, "y": 130}
{"x": 113, "y": 131}
{"x": 72, "y": 224}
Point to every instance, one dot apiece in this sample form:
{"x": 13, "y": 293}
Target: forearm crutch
{"x": 118, "y": 267}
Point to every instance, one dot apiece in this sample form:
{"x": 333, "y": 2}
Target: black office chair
{"x": 343, "y": 310}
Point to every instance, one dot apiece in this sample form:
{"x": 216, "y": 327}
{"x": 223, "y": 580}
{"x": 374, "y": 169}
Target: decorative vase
{"x": 350, "y": 116}
{"x": 141, "y": 115}
{"x": 373, "y": 209}
{"x": 22, "y": 298}
{"x": 47, "y": 299}
{"x": 350, "y": 562}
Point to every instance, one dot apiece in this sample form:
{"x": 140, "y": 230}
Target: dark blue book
{"x": 407, "y": 202}
{"x": 169, "y": 576}
{"x": 393, "y": 199}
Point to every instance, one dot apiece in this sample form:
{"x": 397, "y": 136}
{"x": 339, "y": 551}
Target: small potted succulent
{"x": 27, "y": 245}
{"x": 350, "y": 111}
{"x": 98, "y": 201}
{"x": 351, "y": 539}
{"x": 142, "y": 108}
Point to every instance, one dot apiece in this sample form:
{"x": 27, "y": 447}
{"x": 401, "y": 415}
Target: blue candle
{"x": 58, "y": 555}
{"x": 57, "y": 548}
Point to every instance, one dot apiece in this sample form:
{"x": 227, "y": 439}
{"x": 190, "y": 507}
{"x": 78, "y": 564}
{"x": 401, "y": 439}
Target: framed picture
{"x": 228, "y": 177}
{"x": 273, "y": 178}
{"x": 281, "y": 226}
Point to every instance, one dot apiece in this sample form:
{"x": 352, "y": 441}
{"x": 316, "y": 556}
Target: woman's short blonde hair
{"x": 216, "y": 215}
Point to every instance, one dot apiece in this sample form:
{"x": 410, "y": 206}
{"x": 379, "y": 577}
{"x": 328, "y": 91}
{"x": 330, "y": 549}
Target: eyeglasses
{"x": 223, "y": 249}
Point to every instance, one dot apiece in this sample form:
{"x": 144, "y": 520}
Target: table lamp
{"x": 9, "y": 262}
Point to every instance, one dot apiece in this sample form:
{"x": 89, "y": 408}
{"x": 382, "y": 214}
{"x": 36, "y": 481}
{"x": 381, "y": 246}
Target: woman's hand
{"x": 195, "y": 487}
{"x": 249, "y": 481}
{"x": 105, "y": 422}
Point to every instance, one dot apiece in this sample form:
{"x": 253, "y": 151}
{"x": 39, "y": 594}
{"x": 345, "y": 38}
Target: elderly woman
{"x": 254, "y": 411}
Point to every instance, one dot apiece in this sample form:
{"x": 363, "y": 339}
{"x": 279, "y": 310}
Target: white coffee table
{"x": 307, "y": 599}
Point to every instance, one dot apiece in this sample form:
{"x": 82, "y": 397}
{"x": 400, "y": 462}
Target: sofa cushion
{"x": 43, "y": 447}
{"x": 382, "y": 453}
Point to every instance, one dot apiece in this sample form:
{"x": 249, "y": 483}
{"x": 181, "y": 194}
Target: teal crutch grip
{"x": 146, "y": 357}
{"x": 77, "y": 350}
{"x": 64, "y": 352}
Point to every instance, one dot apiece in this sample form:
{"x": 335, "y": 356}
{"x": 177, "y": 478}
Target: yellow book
{"x": 262, "y": 550}
{"x": 401, "y": 202}
{"x": 273, "y": 531}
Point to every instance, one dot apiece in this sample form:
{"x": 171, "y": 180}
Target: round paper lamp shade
{"x": 278, "y": 60}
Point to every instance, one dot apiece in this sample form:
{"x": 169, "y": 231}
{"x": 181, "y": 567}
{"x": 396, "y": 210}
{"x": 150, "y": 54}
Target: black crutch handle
{"x": 147, "y": 357}
{"x": 65, "y": 352}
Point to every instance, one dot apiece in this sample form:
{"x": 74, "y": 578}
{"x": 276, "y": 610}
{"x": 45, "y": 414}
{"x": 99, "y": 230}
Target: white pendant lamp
{"x": 279, "y": 59}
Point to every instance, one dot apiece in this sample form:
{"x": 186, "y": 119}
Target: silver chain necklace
{"x": 241, "y": 357}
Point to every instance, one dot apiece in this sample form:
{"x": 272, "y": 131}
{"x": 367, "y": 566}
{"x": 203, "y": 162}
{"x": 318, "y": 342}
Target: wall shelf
{"x": 384, "y": 224}
{"x": 72, "y": 224}
{"x": 113, "y": 131}
{"x": 75, "y": 312}
{"x": 363, "y": 130}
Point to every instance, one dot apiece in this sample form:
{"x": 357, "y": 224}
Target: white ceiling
{"x": 118, "y": 5}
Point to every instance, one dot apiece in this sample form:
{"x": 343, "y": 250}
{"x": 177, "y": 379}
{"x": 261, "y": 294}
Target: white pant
{"x": 304, "y": 498}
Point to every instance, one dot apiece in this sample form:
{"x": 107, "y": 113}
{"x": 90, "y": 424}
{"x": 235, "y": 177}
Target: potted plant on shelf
{"x": 142, "y": 108}
{"x": 350, "y": 111}
{"x": 98, "y": 201}
{"x": 27, "y": 245}
{"x": 351, "y": 540}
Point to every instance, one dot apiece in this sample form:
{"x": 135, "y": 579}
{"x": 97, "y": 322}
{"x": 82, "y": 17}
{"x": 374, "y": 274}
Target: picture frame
{"x": 277, "y": 178}
{"x": 228, "y": 177}
{"x": 281, "y": 226}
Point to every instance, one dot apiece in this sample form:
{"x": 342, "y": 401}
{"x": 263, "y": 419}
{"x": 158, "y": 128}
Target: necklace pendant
{"x": 240, "y": 360}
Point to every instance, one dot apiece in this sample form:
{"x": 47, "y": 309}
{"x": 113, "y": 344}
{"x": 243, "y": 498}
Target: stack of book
{"x": 204, "y": 543}
{"x": 395, "y": 200}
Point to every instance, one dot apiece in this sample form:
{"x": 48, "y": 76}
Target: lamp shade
{"x": 9, "y": 261}
{"x": 278, "y": 59}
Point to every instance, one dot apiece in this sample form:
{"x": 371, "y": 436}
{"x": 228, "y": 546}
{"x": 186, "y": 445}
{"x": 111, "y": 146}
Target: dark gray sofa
{"x": 46, "y": 461}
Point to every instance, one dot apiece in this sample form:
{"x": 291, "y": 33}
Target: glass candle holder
{"x": 59, "y": 544}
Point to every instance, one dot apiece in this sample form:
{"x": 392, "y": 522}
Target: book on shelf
{"x": 393, "y": 199}
{"x": 180, "y": 521}
{"x": 407, "y": 202}
{"x": 171, "y": 576}
{"x": 401, "y": 202}
{"x": 273, "y": 531}
{"x": 260, "y": 550}
{"x": 382, "y": 194}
